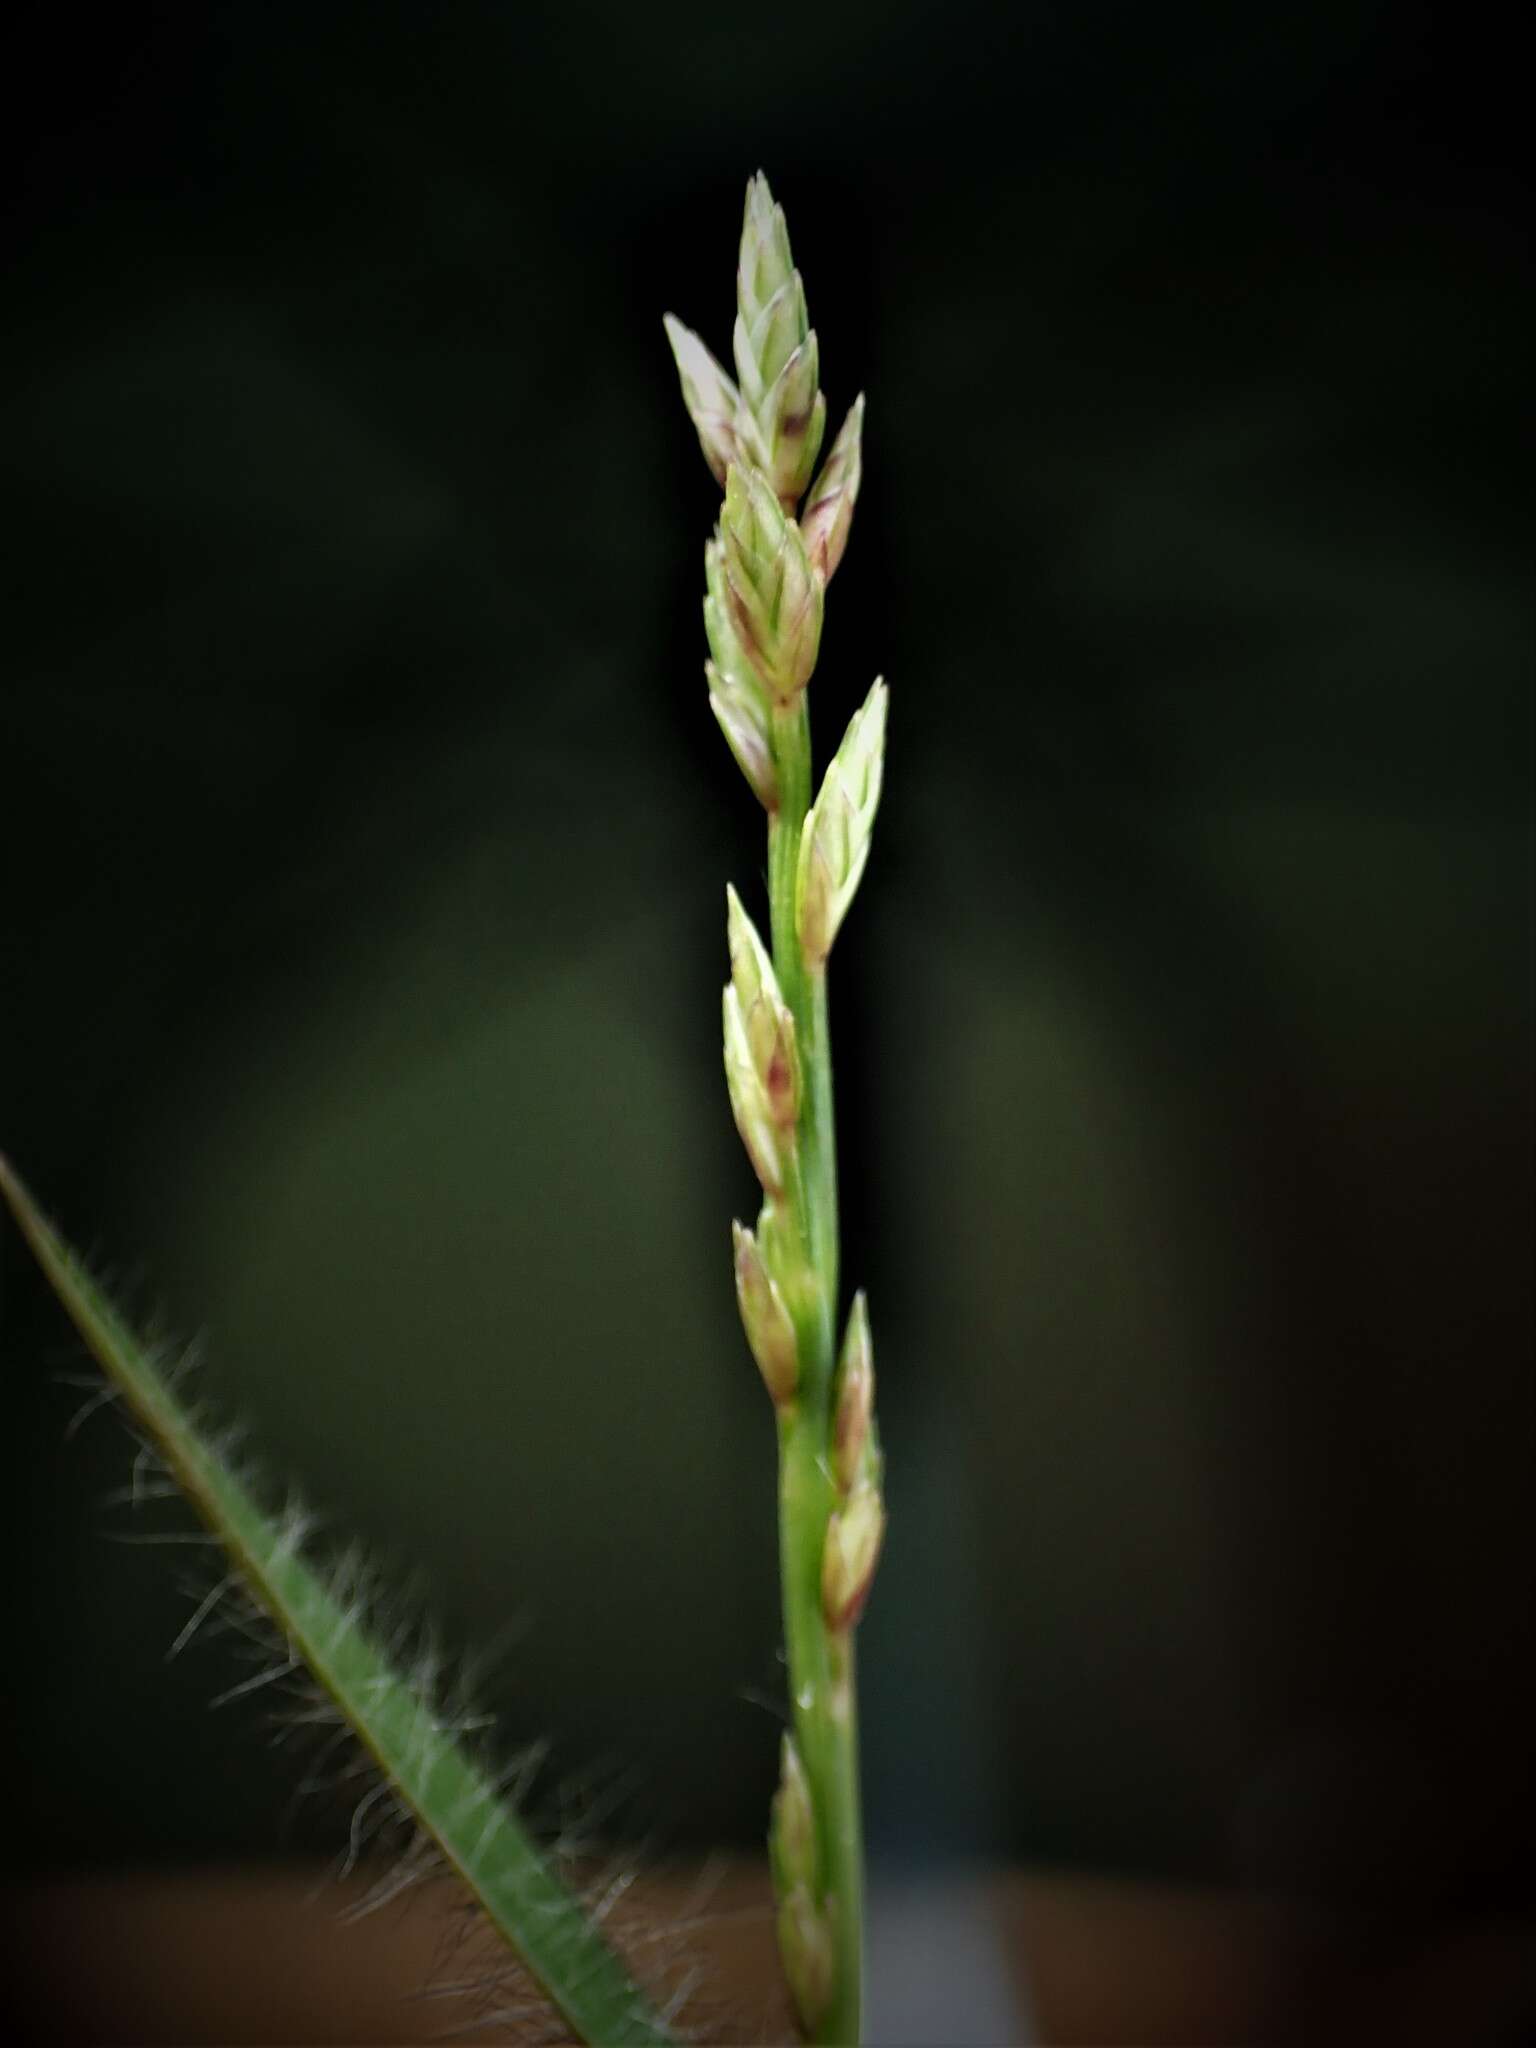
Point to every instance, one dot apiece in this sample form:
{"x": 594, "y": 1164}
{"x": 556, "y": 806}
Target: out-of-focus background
{"x": 365, "y": 841}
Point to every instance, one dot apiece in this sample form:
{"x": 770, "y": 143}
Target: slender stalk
{"x": 823, "y": 1702}
{"x": 767, "y": 570}
{"x": 805, "y": 990}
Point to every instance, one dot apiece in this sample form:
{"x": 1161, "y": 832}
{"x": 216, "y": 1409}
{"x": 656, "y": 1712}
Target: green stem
{"x": 823, "y": 1702}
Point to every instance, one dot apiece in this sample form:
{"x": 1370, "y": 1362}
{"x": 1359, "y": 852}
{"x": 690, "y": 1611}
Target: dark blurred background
{"x": 365, "y": 840}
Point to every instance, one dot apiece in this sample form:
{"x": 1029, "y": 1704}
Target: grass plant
{"x": 767, "y": 568}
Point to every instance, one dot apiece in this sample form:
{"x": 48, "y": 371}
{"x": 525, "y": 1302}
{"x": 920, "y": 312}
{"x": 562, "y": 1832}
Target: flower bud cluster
{"x": 774, "y": 599}
{"x": 834, "y": 845}
{"x": 712, "y": 400}
{"x": 736, "y": 695}
{"x": 854, "y": 1536}
{"x": 792, "y": 1824}
{"x": 761, "y": 436}
{"x": 776, "y": 353}
{"x": 805, "y": 1932}
{"x": 856, "y": 1529}
{"x": 775, "y": 417}
{"x": 766, "y": 1320}
{"x": 762, "y": 1068}
{"x": 853, "y": 1399}
{"x": 828, "y": 511}
{"x": 805, "y": 1949}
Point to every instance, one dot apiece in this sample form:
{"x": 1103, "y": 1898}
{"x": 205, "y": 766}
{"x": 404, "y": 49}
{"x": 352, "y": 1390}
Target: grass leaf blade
{"x": 447, "y": 1788}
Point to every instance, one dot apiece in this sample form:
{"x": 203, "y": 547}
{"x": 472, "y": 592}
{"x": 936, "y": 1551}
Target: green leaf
{"x": 447, "y": 1788}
